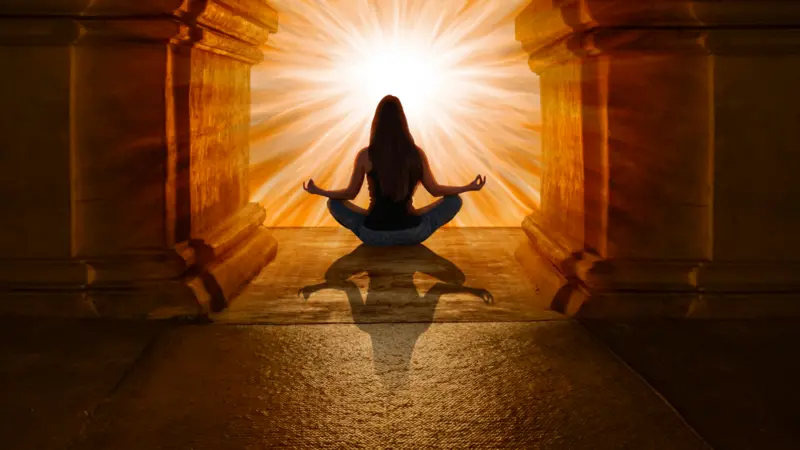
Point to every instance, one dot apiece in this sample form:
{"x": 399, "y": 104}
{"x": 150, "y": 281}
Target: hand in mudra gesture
{"x": 477, "y": 183}
{"x": 310, "y": 187}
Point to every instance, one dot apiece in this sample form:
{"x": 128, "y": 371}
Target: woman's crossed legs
{"x": 434, "y": 216}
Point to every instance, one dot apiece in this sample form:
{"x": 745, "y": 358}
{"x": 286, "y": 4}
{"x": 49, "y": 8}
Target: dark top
{"x": 386, "y": 214}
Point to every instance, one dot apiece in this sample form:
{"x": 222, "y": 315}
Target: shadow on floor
{"x": 386, "y": 275}
{"x": 734, "y": 381}
{"x": 53, "y": 373}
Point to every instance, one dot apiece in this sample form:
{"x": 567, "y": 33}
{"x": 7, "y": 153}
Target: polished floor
{"x": 448, "y": 345}
{"x": 323, "y": 275}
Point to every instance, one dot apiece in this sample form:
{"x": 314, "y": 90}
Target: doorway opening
{"x": 471, "y": 99}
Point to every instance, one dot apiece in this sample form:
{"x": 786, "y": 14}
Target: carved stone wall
{"x": 563, "y": 177}
{"x": 220, "y": 122}
{"x": 670, "y": 129}
{"x": 124, "y": 166}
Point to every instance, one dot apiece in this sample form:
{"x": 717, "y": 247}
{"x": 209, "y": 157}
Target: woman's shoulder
{"x": 362, "y": 158}
{"x": 422, "y": 154}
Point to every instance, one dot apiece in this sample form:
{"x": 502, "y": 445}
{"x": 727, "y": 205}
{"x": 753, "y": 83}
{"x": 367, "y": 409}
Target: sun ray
{"x": 471, "y": 101}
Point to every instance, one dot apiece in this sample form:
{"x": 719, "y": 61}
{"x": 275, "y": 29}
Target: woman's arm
{"x": 352, "y": 189}
{"x": 438, "y": 190}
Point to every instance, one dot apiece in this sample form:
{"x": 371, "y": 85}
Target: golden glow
{"x": 471, "y": 100}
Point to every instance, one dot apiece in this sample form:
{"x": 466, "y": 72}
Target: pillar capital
{"x": 205, "y": 12}
{"x": 544, "y": 22}
{"x": 584, "y": 28}
{"x": 235, "y": 28}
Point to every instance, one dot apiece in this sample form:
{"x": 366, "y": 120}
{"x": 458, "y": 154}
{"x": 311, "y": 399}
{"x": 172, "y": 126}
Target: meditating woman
{"x": 394, "y": 167}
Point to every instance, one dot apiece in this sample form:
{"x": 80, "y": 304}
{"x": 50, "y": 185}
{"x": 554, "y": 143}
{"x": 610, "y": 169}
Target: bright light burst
{"x": 471, "y": 100}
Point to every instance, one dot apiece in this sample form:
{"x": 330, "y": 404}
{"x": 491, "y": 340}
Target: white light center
{"x": 408, "y": 71}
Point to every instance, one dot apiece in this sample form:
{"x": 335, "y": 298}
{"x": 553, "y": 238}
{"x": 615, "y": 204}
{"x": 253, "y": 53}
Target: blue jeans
{"x": 431, "y": 221}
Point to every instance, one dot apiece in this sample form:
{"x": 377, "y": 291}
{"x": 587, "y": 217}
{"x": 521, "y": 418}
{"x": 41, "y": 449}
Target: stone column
{"x": 671, "y": 147}
{"x": 123, "y": 174}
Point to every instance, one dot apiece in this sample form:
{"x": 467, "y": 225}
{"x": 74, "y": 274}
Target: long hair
{"x": 392, "y": 151}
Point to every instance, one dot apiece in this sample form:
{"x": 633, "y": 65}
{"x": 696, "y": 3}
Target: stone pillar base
{"x": 597, "y": 288}
{"x": 191, "y": 280}
{"x": 232, "y": 254}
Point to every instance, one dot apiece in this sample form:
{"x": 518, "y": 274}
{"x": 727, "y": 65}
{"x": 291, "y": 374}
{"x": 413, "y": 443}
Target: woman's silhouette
{"x": 394, "y": 167}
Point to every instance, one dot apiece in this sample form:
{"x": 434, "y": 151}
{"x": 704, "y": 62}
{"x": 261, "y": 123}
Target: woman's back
{"x": 385, "y": 213}
{"x": 394, "y": 169}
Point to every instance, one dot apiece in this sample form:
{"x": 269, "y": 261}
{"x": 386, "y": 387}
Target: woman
{"x": 394, "y": 166}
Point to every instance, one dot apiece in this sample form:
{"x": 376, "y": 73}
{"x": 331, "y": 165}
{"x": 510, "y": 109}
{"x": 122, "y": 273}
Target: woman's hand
{"x": 477, "y": 183}
{"x": 311, "y": 188}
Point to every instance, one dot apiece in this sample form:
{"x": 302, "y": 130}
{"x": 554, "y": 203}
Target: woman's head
{"x": 392, "y": 150}
{"x": 390, "y": 119}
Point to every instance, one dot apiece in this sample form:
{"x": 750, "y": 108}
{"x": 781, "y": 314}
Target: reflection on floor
{"x": 323, "y": 275}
